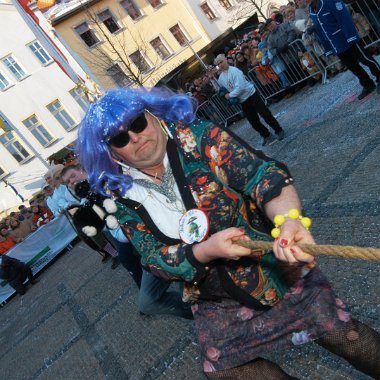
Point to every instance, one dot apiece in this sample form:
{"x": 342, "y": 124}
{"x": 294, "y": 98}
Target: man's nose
{"x": 134, "y": 137}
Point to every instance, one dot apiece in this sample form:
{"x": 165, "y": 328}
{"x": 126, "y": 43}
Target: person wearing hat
{"x": 237, "y": 86}
{"x": 280, "y": 36}
{"x": 278, "y": 41}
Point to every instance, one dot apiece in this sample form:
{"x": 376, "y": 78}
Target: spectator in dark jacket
{"x": 337, "y": 32}
{"x": 16, "y": 272}
{"x": 279, "y": 38}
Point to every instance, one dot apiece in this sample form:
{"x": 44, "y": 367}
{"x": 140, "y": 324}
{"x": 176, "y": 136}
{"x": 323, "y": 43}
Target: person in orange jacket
{"x": 6, "y": 241}
{"x": 41, "y": 215}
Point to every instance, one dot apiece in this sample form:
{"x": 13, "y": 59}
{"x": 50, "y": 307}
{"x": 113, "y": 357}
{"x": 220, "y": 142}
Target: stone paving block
{"x": 38, "y": 303}
{"x": 311, "y": 361}
{"x": 353, "y": 230}
{"x": 77, "y": 363}
{"x": 188, "y": 358}
{"x": 104, "y": 292}
{"x": 31, "y": 354}
{"x": 354, "y": 185}
{"x": 142, "y": 342}
{"x": 80, "y": 266}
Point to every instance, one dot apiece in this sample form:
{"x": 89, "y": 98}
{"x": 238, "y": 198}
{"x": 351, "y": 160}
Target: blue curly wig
{"x": 104, "y": 119}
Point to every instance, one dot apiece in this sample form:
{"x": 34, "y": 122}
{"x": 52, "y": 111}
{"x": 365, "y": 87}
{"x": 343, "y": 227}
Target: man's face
{"x": 254, "y": 43}
{"x": 48, "y": 191}
{"x": 49, "y": 179}
{"x": 240, "y": 57}
{"x": 222, "y": 63}
{"x": 146, "y": 149}
{"x": 272, "y": 26}
{"x": 24, "y": 211}
{"x": 15, "y": 223}
{"x": 57, "y": 180}
{"x": 73, "y": 176}
{"x": 290, "y": 15}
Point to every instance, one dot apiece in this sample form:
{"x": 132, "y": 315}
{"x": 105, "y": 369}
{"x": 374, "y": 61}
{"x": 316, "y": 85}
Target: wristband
{"x": 293, "y": 214}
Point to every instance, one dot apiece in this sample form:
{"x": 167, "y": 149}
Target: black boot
{"x": 106, "y": 256}
{"x": 115, "y": 262}
{"x": 366, "y": 91}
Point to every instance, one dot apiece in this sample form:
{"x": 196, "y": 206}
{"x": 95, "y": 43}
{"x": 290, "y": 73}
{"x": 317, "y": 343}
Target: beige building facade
{"x": 125, "y": 42}
{"x": 40, "y": 108}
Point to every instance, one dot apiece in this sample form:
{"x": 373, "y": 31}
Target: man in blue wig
{"x": 186, "y": 191}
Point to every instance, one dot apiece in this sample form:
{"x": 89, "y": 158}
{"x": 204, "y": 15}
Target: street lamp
{"x": 14, "y": 190}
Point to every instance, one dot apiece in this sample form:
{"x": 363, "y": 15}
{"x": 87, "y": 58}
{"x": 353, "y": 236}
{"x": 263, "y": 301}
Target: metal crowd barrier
{"x": 290, "y": 71}
{"x": 271, "y": 83}
{"x": 371, "y": 11}
{"x": 218, "y": 110}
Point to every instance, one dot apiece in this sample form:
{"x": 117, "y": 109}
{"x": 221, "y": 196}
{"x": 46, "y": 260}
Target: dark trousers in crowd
{"x": 128, "y": 257}
{"x": 156, "y": 298}
{"x": 18, "y": 284}
{"x": 352, "y": 58}
{"x": 130, "y": 260}
{"x": 252, "y": 108}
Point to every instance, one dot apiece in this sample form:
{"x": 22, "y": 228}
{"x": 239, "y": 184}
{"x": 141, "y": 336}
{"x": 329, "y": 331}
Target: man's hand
{"x": 222, "y": 245}
{"x": 285, "y": 247}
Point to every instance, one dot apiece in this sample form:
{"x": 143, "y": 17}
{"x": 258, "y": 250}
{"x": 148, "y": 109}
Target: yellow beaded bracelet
{"x": 292, "y": 214}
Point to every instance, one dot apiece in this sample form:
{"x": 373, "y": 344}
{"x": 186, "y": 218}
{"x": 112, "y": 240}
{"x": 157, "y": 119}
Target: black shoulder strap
{"x": 179, "y": 175}
{"x": 236, "y": 292}
{"x": 140, "y": 210}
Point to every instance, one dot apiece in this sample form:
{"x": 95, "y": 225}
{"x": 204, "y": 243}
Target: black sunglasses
{"x": 122, "y": 138}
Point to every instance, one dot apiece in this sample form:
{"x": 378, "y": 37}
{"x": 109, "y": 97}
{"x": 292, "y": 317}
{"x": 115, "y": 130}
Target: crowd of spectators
{"x": 264, "y": 54}
{"x": 19, "y": 224}
{"x": 50, "y": 202}
{"x": 13, "y": 230}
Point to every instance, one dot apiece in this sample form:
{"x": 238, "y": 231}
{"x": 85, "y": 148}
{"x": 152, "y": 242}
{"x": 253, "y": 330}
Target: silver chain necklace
{"x": 166, "y": 188}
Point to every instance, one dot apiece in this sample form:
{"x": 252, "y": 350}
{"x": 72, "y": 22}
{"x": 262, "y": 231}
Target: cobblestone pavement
{"x": 81, "y": 320}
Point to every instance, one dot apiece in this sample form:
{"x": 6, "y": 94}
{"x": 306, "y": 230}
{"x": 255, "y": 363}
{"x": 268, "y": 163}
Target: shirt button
{"x": 207, "y": 268}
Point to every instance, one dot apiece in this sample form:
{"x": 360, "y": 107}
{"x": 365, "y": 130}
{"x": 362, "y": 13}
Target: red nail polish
{"x": 292, "y": 251}
{"x": 284, "y": 242}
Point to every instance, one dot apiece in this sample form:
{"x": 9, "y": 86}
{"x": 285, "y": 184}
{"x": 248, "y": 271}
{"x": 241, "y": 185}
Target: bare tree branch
{"x": 247, "y": 7}
{"x": 136, "y": 65}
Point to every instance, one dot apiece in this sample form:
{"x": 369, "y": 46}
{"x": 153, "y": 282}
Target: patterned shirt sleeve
{"x": 242, "y": 168}
{"x": 170, "y": 262}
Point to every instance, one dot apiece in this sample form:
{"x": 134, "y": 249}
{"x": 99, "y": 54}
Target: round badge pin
{"x": 193, "y": 226}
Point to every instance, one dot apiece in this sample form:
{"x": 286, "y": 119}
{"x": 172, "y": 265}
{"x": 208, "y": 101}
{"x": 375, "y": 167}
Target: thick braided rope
{"x": 315, "y": 250}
